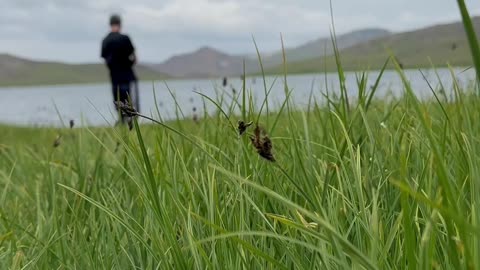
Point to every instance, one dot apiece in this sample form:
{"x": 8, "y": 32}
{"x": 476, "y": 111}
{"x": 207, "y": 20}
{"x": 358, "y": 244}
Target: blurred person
{"x": 119, "y": 54}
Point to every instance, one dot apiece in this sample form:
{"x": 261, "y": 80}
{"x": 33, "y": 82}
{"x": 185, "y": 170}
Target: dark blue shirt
{"x": 117, "y": 50}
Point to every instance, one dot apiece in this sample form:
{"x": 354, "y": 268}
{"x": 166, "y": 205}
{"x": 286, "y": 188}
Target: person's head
{"x": 115, "y": 23}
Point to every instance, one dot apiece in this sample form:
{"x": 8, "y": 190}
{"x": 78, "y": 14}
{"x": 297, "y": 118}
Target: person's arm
{"x": 133, "y": 58}
{"x": 131, "y": 52}
{"x": 104, "y": 52}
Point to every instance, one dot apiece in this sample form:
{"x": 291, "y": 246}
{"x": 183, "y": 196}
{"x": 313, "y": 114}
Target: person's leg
{"x": 124, "y": 96}
{"x": 121, "y": 93}
{"x": 133, "y": 100}
{"x": 134, "y": 95}
{"x": 115, "y": 94}
{"x": 116, "y": 97}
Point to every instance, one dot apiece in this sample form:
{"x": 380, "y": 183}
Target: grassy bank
{"x": 356, "y": 63}
{"x": 21, "y": 72}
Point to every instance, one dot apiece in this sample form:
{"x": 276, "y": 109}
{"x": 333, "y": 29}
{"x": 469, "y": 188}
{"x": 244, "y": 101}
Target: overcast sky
{"x": 71, "y": 30}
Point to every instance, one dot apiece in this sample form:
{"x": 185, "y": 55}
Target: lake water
{"x": 92, "y": 104}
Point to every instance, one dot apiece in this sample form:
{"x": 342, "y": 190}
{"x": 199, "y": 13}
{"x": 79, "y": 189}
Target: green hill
{"x": 324, "y": 46}
{"x": 15, "y": 71}
{"x": 443, "y": 44}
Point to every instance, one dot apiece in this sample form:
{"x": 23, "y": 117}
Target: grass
{"x": 401, "y": 192}
{"x": 358, "y": 183}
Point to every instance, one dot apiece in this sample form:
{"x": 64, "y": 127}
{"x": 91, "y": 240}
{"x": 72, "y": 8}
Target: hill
{"x": 15, "y": 71}
{"x": 210, "y": 62}
{"x": 204, "y": 62}
{"x": 323, "y": 46}
{"x": 443, "y": 44}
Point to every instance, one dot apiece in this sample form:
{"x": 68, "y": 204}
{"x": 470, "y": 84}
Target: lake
{"x": 91, "y": 104}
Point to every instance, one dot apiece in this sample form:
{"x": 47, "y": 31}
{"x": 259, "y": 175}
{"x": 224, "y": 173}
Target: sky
{"x": 71, "y": 30}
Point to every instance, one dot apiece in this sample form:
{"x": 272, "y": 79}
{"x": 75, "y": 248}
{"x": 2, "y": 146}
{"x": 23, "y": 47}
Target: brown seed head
{"x": 266, "y": 150}
{"x": 242, "y": 127}
{"x": 263, "y": 144}
{"x": 126, "y": 109}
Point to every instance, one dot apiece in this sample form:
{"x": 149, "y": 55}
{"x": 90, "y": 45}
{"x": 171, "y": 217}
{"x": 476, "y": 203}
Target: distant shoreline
{"x": 256, "y": 75}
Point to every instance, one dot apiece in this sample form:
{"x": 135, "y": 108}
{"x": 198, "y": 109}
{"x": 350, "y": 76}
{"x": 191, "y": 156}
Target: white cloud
{"x": 70, "y": 29}
{"x": 187, "y": 15}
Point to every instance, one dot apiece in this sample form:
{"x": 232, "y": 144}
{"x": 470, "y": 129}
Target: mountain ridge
{"x": 208, "y": 61}
{"x": 441, "y": 45}
{"x": 194, "y": 64}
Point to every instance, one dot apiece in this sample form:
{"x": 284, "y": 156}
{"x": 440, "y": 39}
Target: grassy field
{"x": 351, "y": 183}
{"x": 363, "y": 185}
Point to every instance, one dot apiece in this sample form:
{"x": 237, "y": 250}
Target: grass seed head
{"x": 266, "y": 150}
{"x": 242, "y": 127}
{"x": 262, "y": 143}
{"x": 126, "y": 109}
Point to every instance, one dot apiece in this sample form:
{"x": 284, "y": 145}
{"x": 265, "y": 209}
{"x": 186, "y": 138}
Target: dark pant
{"x": 126, "y": 93}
